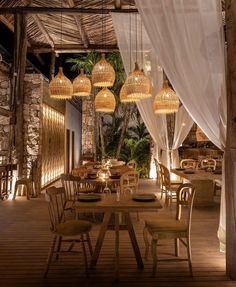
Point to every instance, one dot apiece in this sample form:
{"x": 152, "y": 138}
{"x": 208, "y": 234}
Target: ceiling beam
{"x": 73, "y": 48}
{"x": 9, "y": 25}
{"x": 79, "y": 24}
{"x": 57, "y": 10}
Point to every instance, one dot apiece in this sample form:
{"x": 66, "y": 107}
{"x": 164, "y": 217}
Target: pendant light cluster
{"x": 103, "y": 76}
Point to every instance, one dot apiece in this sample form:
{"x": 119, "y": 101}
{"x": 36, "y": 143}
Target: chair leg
{"x": 85, "y": 256}
{"x": 89, "y": 244}
{"x": 15, "y": 191}
{"x": 177, "y": 247}
{"x": 154, "y": 257}
{"x": 58, "y": 247}
{"x": 50, "y": 255}
{"x": 189, "y": 256}
{"x": 145, "y": 238}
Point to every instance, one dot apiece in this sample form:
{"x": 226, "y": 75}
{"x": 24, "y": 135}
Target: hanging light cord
{"x": 136, "y": 45}
{"x": 130, "y": 42}
{"x": 61, "y": 37}
{"x": 141, "y": 44}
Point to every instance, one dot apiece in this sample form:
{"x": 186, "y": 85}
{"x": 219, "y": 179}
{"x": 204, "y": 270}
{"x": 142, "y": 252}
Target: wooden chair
{"x": 157, "y": 171}
{"x": 208, "y": 163}
{"x": 65, "y": 231}
{"x": 168, "y": 188}
{"x": 129, "y": 181}
{"x": 177, "y": 228}
{"x": 188, "y": 163}
{"x": 132, "y": 164}
{"x": 27, "y": 185}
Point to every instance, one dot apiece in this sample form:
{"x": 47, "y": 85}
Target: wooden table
{"x": 116, "y": 204}
{"x": 204, "y": 184}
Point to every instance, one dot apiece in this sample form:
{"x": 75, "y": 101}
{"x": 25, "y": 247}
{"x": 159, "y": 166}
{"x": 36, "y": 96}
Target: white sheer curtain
{"x": 188, "y": 39}
{"x": 127, "y": 27}
{"x": 183, "y": 124}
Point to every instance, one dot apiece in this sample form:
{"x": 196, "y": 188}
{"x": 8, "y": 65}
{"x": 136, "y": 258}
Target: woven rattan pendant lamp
{"x": 60, "y": 86}
{"x": 103, "y": 74}
{"x": 123, "y": 96}
{"x": 137, "y": 83}
{"x": 166, "y": 100}
{"x": 105, "y": 101}
{"x": 82, "y": 85}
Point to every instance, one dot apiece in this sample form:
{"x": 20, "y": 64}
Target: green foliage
{"x": 136, "y": 143}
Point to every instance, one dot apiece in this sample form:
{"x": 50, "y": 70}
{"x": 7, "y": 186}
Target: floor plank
{"x": 25, "y": 240}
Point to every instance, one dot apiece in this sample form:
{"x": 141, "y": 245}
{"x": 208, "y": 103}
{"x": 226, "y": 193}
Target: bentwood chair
{"x": 66, "y": 232}
{"x": 129, "y": 181}
{"x": 168, "y": 188}
{"x": 177, "y": 229}
{"x": 132, "y": 164}
{"x": 208, "y": 163}
{"x": 188, "y": 163}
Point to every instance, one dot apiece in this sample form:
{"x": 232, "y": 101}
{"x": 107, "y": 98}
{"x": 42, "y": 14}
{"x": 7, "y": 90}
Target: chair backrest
{"x": 71, "y": 185}
{"x": 188, "y": 163}
{"x": 208, "y": 163}
{"x": 56, "y": 202}
{"x": 164, "y": 177}
{"x": 132, "y": 164}
{"x": 129, "y": 181}
{"x": 185, "y": 195}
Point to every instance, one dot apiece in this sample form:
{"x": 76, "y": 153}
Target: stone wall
{"x": 88, "y": 126}
{"x": 4, "y": 121}
{"x": 33, "y": 91}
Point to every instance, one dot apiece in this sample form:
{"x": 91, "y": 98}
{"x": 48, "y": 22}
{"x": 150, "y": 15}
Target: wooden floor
{"x": 25, "y": 239}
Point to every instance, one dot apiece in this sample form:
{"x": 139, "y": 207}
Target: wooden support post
{"x": 230, "y": 152}
{"x": 19, "y": 63}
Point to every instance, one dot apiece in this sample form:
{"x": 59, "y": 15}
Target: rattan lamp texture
{"x": 60, "y": 86}
{"x": 82, "y": 85}
{"x": 123, "y": 96}
{"x": 137, "y": 85}
{"x": 105, "y": 101}
{"x": 103, "y": 74}
{"x": 166, "y": 100}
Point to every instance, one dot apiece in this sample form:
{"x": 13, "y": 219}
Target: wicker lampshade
{"x": 60, "y": 86}
{"x": 82, "y": 85}
{"x": 137, "y": 84}
{"x": 166, "y": 100}
{"x": 103, "y": 74}
{"x": 105, "y": 101}
{"x": 123, "y": 96}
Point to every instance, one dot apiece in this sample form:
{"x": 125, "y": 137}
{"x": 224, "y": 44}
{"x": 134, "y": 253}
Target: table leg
{"x": 117, "y": 223}
{"x": 100, "y": 239}
{"x": 134, "y": 241}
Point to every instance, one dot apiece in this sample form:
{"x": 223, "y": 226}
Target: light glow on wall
{"x": 53, "y": 132}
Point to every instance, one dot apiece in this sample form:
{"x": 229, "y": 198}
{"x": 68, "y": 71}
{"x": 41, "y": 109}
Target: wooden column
{"x": 19, "y": 63}
{"x": 230, "y": 152}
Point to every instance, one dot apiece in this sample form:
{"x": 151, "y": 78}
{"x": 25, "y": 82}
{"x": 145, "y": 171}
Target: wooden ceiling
{"x": 83, "y": 25}
{"x": 73, "y": 30}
